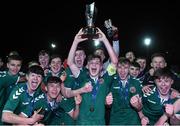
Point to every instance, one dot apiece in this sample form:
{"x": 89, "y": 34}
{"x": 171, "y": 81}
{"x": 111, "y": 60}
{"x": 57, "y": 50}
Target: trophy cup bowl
{"x": 90, "y": 31}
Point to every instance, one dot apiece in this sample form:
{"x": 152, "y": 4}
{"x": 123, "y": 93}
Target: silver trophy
{"x": 90, "y": 30}
{"x": 108, "y": 25}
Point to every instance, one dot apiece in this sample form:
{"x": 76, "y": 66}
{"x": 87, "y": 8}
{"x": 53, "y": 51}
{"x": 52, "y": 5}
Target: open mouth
{"x": 54, "y": 93}
{"x": 79, "y": 62}
{"x": 93, "y": 70}
{"x": 122, "y": 76}
{"x": 43, "y": 62}
{"x": 34, "y": 84}
{"x": 14, "y": 72}
{"x": 164, "y": 90}
{"x": 134, "y": 74}
{"x": 56, "y": 68}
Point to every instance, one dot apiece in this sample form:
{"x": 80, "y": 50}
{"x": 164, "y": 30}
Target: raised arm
{"x": 115, "y": 41}
{"x": 70, "y": 61}
{"x": 108, "y": 46}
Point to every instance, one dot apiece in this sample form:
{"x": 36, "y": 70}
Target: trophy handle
{"x": 108, "y": 25}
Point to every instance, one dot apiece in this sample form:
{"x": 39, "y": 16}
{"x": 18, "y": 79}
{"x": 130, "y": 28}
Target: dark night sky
{"x": 36, "y": 25}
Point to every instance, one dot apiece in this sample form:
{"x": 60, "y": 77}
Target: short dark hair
{"x": 54, "y": 79}
{"x": 135, "y": 64}
{"x": 93, "y": 56}
{"x": 80, "y": 48}
{"x": 141, "y": 57}
{"x": 32, "y": 62}
{"x": 36, "y": 69}
{"x": 157, "y": 55}
{"x": 100, "y": 48}
{"x": 14, "y": 57}
{"x": 53, "y": 56}
{"x": 163, "y": 72}
{"x": 123, "y": 60}
{"x": 13, "y": 53}
{"x": 43, "y": 52}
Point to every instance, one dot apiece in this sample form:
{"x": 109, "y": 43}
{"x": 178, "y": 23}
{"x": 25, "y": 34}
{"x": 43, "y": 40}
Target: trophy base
{"x": 90, "y": 33}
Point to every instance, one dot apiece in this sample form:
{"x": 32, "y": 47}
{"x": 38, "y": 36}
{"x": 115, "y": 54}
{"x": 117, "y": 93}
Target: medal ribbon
{"x": 94, "y": 91}
{"x": 124, "y": 91}
{"x": 31, "y": 102}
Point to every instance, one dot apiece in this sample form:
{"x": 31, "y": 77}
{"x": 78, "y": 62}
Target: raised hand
{"x": 78, "y": 38}
{"x": 87, "y": 87}
{"x": 115, "y": 33}
{"x": 174, "y": 93}
{"x": 169, "y": 110}
{"x": 102, "y": 37}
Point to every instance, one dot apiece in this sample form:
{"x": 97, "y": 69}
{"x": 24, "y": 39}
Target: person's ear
{"x": 87, "y": 65}
{"x": 151, "y": 64}
{"x": 101, "y": 67}
{"x": 46, "y": 88}
{"x": 84, "y": 56}
{"x": 7, "y": 65}
{"x": 27, "y": 76}
{"x": 172, "y": 82}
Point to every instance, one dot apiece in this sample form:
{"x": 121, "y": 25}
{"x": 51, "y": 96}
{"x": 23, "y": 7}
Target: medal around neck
{"x": 91, "y": 109}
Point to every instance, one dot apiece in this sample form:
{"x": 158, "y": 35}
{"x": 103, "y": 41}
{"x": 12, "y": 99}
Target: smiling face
{"x": 142, "y": 63}
{"x": 134, "y": 71}
{"x": 53, "y": 90}
{"x": 100, "y": 52}
{"x": 123, "y": 70}
{"x": 14, "y": 66}
{"x": 130, "y": 55}
{"x": 79, "y": 58}
{"x": 164, "y": 85}
{"x": 56, "y": 65}
{"x": 94, "y": 66}
{"x": 14, "y": 63}
{"x": 34, "y": 77}
{"x": 44, "y": 60}
{"x": 158, "y": 62}
{"x": 34, "y": 81}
